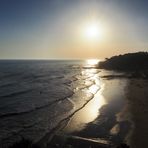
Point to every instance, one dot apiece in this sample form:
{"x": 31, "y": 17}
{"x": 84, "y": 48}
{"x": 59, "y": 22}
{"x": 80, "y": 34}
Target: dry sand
{"x": 137, "y": 96}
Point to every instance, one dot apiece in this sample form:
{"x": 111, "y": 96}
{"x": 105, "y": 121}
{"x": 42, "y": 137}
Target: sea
{"x": 36, "y": 96}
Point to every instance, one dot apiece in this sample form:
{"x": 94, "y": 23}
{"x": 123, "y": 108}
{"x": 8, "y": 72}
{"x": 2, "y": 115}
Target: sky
{"x": 55, "y": 29}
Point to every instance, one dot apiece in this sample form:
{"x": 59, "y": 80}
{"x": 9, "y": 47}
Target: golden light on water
{"x": 91, "y": 111}
{"x": 93, "y": 89}
{"x": 92, "y": 62}
{"x": 95, "y": 106}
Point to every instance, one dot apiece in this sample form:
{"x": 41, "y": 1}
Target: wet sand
{"x": 122, "y": 118}
{"x": 100, "y": 112}
{"x": 137, "y": 95}
{"x": 98, "y": 120}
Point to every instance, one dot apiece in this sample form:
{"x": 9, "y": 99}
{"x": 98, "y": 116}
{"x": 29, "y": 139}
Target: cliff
{"x": 127, "y": 62}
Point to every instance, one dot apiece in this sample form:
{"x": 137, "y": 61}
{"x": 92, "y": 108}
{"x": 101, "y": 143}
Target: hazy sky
{"x": 54, "y": 28}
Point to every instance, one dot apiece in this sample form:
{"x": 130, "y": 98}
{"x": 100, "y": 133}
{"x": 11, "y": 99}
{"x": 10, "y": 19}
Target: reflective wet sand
{"x": 88, "y": 114}
{"x": 98, "y": 119}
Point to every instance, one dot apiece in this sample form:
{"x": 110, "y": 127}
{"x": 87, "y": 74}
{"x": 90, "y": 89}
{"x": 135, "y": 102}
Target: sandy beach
{"x": 90, "y": 107}
{"x": 97, "y": 123}
{"x": 127, "y": 123}
{"x": 137, "y": 97}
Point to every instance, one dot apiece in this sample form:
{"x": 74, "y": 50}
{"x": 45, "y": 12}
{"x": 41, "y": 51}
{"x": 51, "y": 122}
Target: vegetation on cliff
{"x": 127, "y": 62}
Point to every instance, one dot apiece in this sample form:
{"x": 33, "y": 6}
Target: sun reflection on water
{"x": 93, "y": 89}
{"x": 88, "y": 114}
{"x": 92, "y": 62}
{"x": 91, "y": 111}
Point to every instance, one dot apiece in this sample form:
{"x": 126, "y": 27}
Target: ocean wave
{"x": 40, "y": 97}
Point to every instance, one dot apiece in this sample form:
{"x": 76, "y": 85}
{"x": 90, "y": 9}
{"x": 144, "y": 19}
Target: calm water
{"x": 36, "y": 95}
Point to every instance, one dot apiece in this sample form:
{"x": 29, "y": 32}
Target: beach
{"x": 73, "y": 104}
{"x": 73, "y": 73}
{"x": 137, "y": 96}
{"x": 126, "y": 123}
{"x": 97, "y": 124}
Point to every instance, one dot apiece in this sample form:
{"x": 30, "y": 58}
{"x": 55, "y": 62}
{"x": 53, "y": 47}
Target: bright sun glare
{"x": 93, "y": 31}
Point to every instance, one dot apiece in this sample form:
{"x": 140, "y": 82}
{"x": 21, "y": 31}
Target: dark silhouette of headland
{"x": 128, "y": 62}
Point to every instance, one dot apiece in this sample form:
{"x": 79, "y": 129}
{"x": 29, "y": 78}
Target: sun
{"x": 93, "y": 31}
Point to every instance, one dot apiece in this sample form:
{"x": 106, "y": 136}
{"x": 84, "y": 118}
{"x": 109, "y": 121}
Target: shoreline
{"x": 127, "y": 114}
{"x": 58, "y": 127}
{"x": 88, "y": 132}
{"x": 63, "y": 123}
